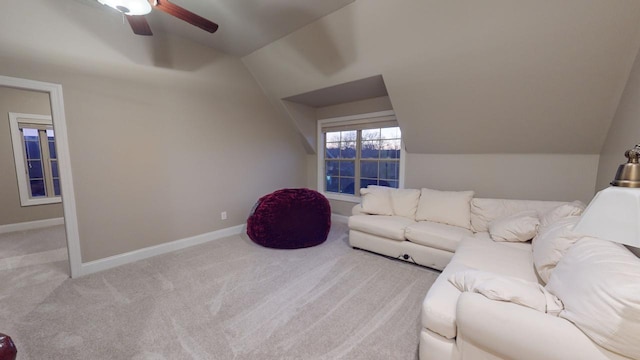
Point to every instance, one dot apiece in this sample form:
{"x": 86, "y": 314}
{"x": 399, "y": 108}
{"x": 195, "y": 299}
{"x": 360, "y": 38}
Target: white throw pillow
{"x": 447, "y": 207}
{"x": 599, "y": 283}
{"x": 376, "y": 201}
{"x": 519, "y": 227}
{"x": 551, "y": 243}
{"x": 507, "y": 288}
{"x": 560, "y": 212}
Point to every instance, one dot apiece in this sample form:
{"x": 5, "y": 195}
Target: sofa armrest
{"x": 357, "y": 210}
{"x": 510, "y": 331}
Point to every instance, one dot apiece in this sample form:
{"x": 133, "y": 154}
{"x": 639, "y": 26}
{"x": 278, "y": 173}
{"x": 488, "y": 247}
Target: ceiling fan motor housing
{"x": 129, "y": 7}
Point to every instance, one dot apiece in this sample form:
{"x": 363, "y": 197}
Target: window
{"x": 357, "y": 152}
{"x": 36, "y": 160}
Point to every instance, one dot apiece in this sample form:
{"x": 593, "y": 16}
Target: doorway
{"x": 57, "y": 113}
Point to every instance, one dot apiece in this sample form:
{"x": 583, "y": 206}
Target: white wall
{"x": 510, "y": 176}
{"x": 624, "y": 132}
{"x": 158, "y": 149}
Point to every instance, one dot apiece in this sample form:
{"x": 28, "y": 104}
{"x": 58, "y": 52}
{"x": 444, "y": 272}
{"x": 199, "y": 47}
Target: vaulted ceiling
{"x": 245, "y": 25}
{"x": 469, "y": 77}
{"x": 464, "y": 76}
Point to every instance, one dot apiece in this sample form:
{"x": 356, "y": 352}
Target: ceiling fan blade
{"x": 186, "y": 15}
{"x": 139, "y": 25}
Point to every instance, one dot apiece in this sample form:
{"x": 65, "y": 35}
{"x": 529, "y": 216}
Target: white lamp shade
{"x": 135, "y": 7}
{"x": 613, "y": 214}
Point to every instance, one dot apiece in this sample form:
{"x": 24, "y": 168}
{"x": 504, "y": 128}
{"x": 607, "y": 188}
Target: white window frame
{"x": 15, "y": 119}
{"x": 321, "y": 152}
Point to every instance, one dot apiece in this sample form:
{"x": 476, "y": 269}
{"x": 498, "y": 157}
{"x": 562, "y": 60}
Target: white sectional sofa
{"x": 500, "y": 295}
{"x": 425, "y": 226}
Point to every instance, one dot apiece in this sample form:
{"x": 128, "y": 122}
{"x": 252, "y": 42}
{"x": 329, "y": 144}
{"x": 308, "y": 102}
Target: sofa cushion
{"x": 599, "y": 283}
{"x": 392, "y": 227}
{"x": 518, "y": 227}
{"x": 551, "y": 243}
{"x": 447, "y": 207}
{"x": 518, "y": 245}
{"x": 507, "y": 288}
{"x": 376, "y": 201}
{"x": 436, "y": 235}
{"x": 383, "y": 200}
{"x": 482, "y": 253}
{"x": 483, "y": 211}
{"x": 498, "y": 257}
{"x": 560, "y": 212}
{"x": 405, "y": 202}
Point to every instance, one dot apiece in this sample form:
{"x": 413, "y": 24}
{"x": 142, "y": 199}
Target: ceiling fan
{"x": 135, "y": 10}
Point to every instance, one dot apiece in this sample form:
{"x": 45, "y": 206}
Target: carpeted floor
{"x": 227, "y": 299}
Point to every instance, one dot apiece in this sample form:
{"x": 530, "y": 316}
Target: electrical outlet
{"x": 223, "y": 215}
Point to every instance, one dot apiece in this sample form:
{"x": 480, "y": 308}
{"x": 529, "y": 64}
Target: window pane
{"x": 347, "y": 168}
{"x": 348, "y": 135}
{"x": 32, "y": 148}
{"x": 56, "y": 187}
{"x": 37, "y": 188}
{"x": 50, "y": 134}
{"x": 389, "y": 170}
{"x": 393, "y": 184}
{"x": 371, "y": 134}
{"x": 333, "y": 150}
{"x": 52, "y": 149}
{"x": 369, "y": 169}
{"x": 390, "y": 133}
{"x": 366, "y": 182}
{"x": 54, "y": 168}
{"x": 332, "y": 184}
{"x": 347, "y": 185}
{"x": 370, "y": 149}
{"x": 390, "y": 149}
{"x": 332, "y": 168}
{"x": 34, "y": 167}
{"x": 30, "y": 134}
{"x": 348, "y": 150}
{"x": 333, "y": 136}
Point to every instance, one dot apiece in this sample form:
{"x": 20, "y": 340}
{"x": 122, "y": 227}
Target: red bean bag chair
{"x": 290, "y": 219}
{"x": 8, "y": 349}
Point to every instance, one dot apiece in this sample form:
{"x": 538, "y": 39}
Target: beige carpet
{"x": 227, "y": 299}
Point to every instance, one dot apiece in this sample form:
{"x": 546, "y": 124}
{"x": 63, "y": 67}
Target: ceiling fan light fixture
{"x": 129, "y": 7}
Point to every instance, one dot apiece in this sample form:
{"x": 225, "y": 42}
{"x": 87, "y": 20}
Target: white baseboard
{"x": 29, "y": 225}
{"x": 141, "y": 254}
{"x": 339, "y": 218}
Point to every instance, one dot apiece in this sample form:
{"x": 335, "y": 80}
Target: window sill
{"x": 43, "y": 201}
{"x": 342, "y": 197}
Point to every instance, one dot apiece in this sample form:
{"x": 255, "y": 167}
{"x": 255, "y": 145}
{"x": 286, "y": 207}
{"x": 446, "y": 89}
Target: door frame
{"x": 64, "y": 161}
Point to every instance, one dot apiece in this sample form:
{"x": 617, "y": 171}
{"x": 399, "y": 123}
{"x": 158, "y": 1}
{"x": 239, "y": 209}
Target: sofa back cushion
{"x": 483, "y": 211}
{"x": 549, "y": 217}
{"x": 446, "y": 207}
{"x": 376, "y": 201}
{"x": 599, "y": 284}
{"x": 518, "y": 227}
{"x": 382, "y": 200}
{"x": 404, "y": 202}
{"x": 551, "y": 243}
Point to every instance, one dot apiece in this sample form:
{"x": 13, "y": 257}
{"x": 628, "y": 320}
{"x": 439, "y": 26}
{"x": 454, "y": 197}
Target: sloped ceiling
{"x": 245, "y": 25}
{"x": 362, "y": 89}
{"x": 471, "y": 77}
{"x": 88, "y": 34}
